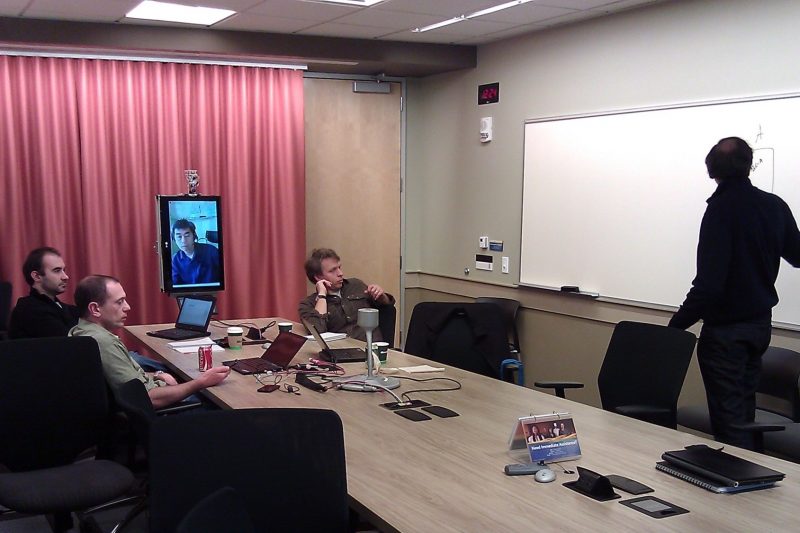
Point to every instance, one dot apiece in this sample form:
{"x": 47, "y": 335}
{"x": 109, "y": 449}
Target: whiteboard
{"x": 612, "y": 203}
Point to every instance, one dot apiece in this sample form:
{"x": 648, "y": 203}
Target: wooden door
{"x": 353, "y": 178}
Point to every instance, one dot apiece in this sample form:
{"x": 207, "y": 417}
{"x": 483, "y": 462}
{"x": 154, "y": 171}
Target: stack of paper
{"x": 329, "y": 336}
{"x": 191, "y": 346}
{"x": 421, "y": 368}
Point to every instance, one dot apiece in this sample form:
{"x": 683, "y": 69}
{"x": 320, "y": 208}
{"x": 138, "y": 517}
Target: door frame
{"x": 400, "y": 304}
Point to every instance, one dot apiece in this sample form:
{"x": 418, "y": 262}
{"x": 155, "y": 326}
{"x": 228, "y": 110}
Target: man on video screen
{"x": 194, "y": 262}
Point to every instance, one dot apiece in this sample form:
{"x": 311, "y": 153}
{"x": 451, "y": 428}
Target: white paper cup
{"x": 235, "y": 335}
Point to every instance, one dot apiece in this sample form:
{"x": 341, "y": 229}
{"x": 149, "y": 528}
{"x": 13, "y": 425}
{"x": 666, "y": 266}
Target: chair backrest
{"x": 509, "y": 308}
{"x": 387, "y": 316}
{"x": 470, "y": 336}
{"x": 286, "y": 465}
{"x": 53, "y": 401}
{"x": 220, "y": 512}
{"x": 5, "y": 307}
{"x": 645, "y": 364}
{"x": 779, "y": 387}
{"x": 133, "y": 400}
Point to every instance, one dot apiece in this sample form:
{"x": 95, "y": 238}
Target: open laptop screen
{"x": 195, "y": 313}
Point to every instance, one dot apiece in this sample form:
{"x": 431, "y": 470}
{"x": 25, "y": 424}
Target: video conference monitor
{"x": 190, "y": 244}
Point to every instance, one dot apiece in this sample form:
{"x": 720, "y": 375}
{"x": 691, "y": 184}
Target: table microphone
{"x": 368, "y": 321}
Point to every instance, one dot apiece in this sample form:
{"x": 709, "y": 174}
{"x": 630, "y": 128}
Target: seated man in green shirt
{"x": 103, "y": 308}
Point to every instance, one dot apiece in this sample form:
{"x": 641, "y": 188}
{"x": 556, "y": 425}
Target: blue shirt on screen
{"x": 203, "y": 267}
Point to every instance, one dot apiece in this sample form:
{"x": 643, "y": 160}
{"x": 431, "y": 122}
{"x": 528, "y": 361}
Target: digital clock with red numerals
{"x": 489, "y": 93}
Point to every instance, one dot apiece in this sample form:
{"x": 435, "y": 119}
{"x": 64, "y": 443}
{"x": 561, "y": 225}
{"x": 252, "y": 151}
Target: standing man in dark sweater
{"x": 743, "y": 236}
{"x": 41, "y": 314}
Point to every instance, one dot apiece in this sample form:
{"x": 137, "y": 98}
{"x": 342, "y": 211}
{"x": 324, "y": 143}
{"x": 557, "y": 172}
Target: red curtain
{"x": 87, "y": 144}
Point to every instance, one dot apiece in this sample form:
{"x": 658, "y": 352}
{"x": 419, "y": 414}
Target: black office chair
{"x": 469, "y": 336}
{"x": 387, "y": 317}
{"x": 286, "y": 465}
{"x": 53, "y": 408}
{"x": 5, "y": 308}
{"x": 642, "y": 372}
{"x": 212, "y": 236}
{"x": 132, "y": 399}
{"x": 220, "y": 512}
{"x": 512, "y": 369}
{"x": 777, "y": 404}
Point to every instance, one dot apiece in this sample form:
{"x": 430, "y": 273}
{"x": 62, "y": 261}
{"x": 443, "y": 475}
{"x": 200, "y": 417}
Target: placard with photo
{"x": 549, "y": 438}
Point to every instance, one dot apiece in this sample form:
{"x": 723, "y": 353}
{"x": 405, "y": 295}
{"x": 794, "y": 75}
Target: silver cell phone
{"x": 526, "y": 469}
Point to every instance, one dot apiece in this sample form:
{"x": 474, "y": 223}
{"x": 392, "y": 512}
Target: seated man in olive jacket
{"x": 334, "y": 305}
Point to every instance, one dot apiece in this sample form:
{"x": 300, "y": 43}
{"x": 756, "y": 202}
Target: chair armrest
{"x": 756, "y": 427}
{"x": 559, "y": 386}
{"x": 636, "y": 411}
{"x": 178, "y": 408}
{"x": 758, "y": 430}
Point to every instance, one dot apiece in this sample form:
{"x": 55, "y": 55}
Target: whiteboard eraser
{"x": 570, "y": 288}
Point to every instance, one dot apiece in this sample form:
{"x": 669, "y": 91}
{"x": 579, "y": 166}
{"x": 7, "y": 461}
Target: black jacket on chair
{"x": 469, "y": 336}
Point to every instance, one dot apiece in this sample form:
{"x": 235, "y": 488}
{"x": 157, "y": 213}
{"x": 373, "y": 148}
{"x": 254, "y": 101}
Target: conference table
{"x": 446, "y": 474}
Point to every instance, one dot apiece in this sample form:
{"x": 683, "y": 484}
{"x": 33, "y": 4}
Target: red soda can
{"x": 204, "y": 361}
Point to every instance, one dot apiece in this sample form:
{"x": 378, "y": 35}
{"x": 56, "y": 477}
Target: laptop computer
{"x": 336, "y": 355}
{"x": 192, "y": 321}
{"x": 275, "y": 358}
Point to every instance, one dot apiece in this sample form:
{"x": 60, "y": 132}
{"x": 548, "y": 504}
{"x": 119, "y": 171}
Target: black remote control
{"x": 526, "y": 469}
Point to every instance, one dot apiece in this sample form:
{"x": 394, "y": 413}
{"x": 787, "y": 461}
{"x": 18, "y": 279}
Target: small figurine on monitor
{"x": 193, "y": 181}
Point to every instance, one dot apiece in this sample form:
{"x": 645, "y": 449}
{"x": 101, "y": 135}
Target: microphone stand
{"x": 368, "y": 320}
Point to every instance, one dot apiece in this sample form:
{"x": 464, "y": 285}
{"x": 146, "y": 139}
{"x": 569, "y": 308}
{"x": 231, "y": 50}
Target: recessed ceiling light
{"x": 152, "y": 10}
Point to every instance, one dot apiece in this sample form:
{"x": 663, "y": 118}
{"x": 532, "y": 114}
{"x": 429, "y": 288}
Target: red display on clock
{"x": 489, "y": 93}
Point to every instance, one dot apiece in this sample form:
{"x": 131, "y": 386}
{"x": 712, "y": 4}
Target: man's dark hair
{"x": 90, "y": 289}
{"x": 184, "y": 224}
{"x": 313, "y": 264}
{"x": 730, "y": 158}
{"x": 33, "y": 263}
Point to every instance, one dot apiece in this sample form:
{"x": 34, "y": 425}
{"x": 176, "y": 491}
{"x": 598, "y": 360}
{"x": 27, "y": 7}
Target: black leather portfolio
{"x": 722, "y": 467}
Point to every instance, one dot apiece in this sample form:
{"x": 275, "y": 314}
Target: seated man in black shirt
{"x": 41, "y": 314}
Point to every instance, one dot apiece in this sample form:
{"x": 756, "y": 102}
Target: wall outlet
{"x": 504, "y": 265}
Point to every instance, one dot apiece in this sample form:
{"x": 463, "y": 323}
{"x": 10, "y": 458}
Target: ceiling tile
{"x": 88, "y": 10}
{"x": 334, "y": 29}
{"x": 234, "y": 5}
{"x": 427, "y": 37}
{"x": 577, "y": 4}
{"x": 298, "y": 9}
{"x": 526, "y": 14}
{"x": 251, "y": 22}
{"x": 389, "y": 19}
{"x": 445, "y": 8}
{"x": 12, "y": 8}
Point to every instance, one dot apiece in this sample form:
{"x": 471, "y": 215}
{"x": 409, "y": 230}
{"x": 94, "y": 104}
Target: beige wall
{"x": 458, "y": 189}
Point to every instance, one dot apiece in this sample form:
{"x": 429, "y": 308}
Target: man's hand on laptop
{"x": 213, "y": 376}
